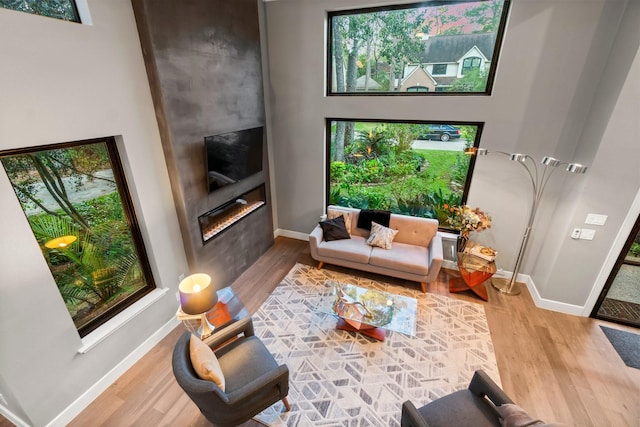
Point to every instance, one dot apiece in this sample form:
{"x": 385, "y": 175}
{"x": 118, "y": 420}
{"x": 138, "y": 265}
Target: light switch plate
{"x": 587, "y": 234}
{"x": 595, "y": 219}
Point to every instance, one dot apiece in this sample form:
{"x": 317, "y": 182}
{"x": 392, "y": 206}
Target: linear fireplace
{"x": 218, "y": 220}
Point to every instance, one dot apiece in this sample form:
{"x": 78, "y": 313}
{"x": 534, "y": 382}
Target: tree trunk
{"x": 392, "y": 75}
{"x": 338, "y": 60}
{"x": 368, "y": 66}
{"x": 338, "y": 154}
{"x": 349, "y": 133}
{"x": 399, "y": 88}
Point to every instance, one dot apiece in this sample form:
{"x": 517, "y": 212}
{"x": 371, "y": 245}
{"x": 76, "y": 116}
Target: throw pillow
{"x": 381, "y": 236}
{"x": 335, "y": 213}
{"x": 205, "y": 362}
{"x": 334, "y": 229}
{"x": 367, "y": 216}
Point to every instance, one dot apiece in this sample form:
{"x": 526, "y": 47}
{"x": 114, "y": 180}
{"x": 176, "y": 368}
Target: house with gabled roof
{"x": 419, "y": 80}
{"x": 447, "y": 58}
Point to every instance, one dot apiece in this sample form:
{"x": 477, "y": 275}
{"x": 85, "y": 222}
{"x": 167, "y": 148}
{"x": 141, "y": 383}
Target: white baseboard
{"x": 291, "y": 234}
{"x": 103, "y": 383}
{"x": 13, "y": 418}
{"x": 548, "y": 304}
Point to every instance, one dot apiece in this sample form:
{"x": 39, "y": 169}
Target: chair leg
{"x": 287, "y": 407}
{"x": 320, "y": 264}
{"x": 424, "y": 287}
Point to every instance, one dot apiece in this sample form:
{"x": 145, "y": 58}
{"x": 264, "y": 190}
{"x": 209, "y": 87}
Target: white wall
{"x": 550, "y": 69}
{"x": 60, "y": 82}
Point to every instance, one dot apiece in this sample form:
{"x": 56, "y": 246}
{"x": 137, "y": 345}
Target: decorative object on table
{"x": 538, "y": 184}
{"x": 484, "y": 252}
{"x": 349, "y": 379}
{"x": 197, "y": 297}
{"x": 466, "y": 219}
{"x": 476, "y": 265}
{"x": 368, "y": 311}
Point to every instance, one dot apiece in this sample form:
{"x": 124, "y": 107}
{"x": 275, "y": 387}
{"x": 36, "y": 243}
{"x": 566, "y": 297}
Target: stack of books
{"x": 483, "y": 252}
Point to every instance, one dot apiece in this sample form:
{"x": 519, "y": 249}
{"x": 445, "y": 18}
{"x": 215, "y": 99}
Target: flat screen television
{"x": 233, "y": 156}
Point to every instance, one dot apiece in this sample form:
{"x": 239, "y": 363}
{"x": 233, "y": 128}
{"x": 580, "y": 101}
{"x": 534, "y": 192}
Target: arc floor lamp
{"x": 539, "y": 181}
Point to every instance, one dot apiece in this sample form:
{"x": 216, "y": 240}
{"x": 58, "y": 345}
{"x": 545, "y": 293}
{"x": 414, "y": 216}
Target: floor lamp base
{"x": 502, "y": 285}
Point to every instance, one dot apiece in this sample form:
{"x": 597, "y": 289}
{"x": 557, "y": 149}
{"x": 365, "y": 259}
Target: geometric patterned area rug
{"x": 340, "y": 378}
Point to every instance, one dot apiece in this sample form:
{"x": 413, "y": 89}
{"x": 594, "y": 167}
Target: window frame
{"x": 74, "y": 9}
{"x": 129, "y": 215}
{"x": 444, "y": 73}
{"x": 464, "y": 70}
{"x": 491, "y": 73}
{"x": 472, "y": 160}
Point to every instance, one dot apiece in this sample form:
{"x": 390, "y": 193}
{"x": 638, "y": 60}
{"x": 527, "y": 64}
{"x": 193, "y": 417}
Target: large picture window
{"x": 392, "y": 49}
{"x": 76, "y": 200}
{"x": 59, "y": 9}
{"x": 411, "y": 168}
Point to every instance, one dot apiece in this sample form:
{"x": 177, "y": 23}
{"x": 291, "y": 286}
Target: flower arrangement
{"x": 467, "y": 219}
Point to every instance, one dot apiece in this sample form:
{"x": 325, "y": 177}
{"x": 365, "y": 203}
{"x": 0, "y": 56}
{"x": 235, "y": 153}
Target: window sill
{"x": 446, "y": 235}
{"x": 97, "y": 336}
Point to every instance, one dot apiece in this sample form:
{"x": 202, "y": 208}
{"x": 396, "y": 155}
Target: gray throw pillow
{"x": 334, "y": 229}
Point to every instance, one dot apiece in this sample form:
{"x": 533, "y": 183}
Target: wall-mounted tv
{"x": 233, "y": 156}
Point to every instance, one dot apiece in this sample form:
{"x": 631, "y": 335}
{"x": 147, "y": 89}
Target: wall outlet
{"x": 575, "y": 234}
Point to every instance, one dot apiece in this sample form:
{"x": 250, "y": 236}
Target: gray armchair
{"x": 254, "y": 381}
{"x": 474, "y": 406}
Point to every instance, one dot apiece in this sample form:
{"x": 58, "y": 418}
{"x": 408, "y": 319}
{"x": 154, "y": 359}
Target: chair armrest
{"x": 315, "y": 238}
{"x": 242, "y": 326}
{"x": 482, "y": 385}
{"x": 411, "y": 417}
{"x": 436, "y": 257}
{"x": 277, "y": 377}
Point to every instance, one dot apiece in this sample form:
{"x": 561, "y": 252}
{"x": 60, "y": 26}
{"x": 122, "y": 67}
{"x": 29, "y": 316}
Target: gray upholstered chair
{"x": 474, "y": 406}
{"x": 254, "y": 380}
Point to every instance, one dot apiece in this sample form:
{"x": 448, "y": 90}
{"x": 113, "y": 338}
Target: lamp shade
{"x": 60, "y": 242}
{"x": 197, "y": 294}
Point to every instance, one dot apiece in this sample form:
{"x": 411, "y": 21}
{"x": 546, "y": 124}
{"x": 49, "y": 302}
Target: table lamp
{"x": 198, "y": 296}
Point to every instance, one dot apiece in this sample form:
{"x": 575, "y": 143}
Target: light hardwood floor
{"x": 559, "y": 367}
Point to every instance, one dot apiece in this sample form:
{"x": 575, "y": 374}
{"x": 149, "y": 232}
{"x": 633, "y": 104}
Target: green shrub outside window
{"x": 404, "y": 167}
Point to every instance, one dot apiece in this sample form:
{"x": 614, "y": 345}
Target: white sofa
{"x": 416, "y": 253}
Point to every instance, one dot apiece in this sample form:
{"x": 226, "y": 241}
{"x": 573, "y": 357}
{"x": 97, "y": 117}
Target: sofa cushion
{"x": 354, "y": 249}
{"x": 334, "y": 229}
{"x": 413, "y": 230}
{"x": 381, "y": 236}
{"x": 403, "y": 257}
{"x": 334, "y": 212}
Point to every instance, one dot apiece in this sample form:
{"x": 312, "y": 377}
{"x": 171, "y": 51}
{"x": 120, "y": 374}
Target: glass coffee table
{"x": 368, "y": 311}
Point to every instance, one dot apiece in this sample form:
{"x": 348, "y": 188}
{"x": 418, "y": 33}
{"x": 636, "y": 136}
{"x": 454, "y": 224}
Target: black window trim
{"x": 130, "y": 216}
{"x": 494, "y": 60}
{"x": 472, "y": 161}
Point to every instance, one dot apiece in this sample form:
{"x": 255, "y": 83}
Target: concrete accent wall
{"x": 553, "y": 62}
{"x": 203, "y": 59}
{"x": 59, "y": 82}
